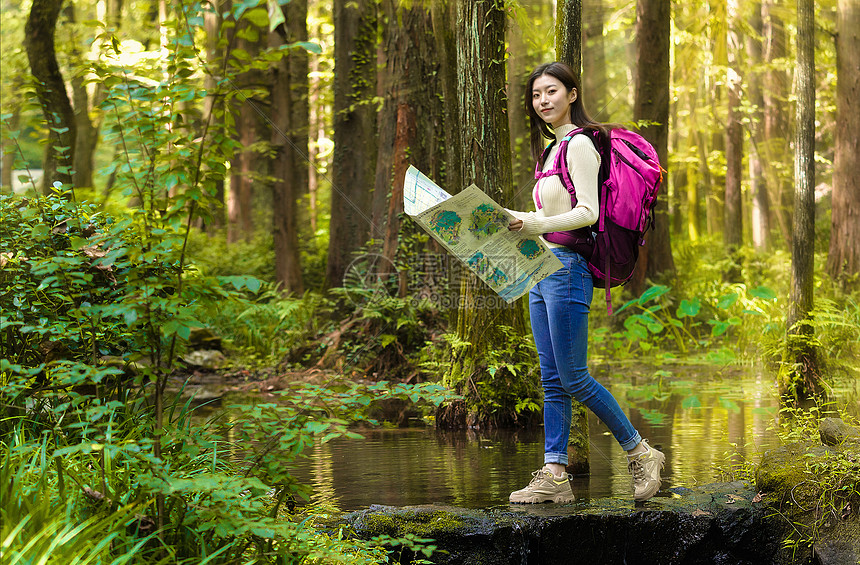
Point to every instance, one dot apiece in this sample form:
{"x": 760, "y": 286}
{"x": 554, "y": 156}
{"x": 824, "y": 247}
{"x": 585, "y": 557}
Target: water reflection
{"x": 699, "y": 420}
{"x": 703, "y": 420}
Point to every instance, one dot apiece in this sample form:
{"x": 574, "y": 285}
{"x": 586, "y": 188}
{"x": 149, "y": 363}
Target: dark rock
{"x": 204, "y": 338}
{"x": 783, "y": 471}
{"x": 840, "y": 545}
{"x": 714, "y": 524}
{"x": 834, "y": 431}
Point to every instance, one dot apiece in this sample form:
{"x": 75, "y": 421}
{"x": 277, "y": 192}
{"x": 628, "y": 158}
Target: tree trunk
{"x": 87, "y": 132}
{"x": 800, "y": 380}
{"x": 594, "y": 81}
{"x": 775, "y": 148}
{"x": 214, "y": 102}
{"x": 8, "y": 149}
{"x": 843, "y": 261}
{"x": 247, "y": 165}
{"x": 568, "y": 34}
{"x": 652, "y": 104}
{"x": 51, "y": 91}
{"x": 355, "y": 142}
{"x": 520, "y": 65}
{"x": 444, "y": 15}
{"x": 289, "y": 136}
{"x": 408, "y": 121}
{"x": 483, "y": 319}
{"x": 760, "y": 213}
{"x": 733, "y": 209}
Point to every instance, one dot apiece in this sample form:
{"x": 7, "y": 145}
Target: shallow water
{"x": 706, "y": 420}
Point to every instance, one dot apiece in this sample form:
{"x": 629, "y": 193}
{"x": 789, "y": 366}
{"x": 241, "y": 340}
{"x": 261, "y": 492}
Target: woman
{"x": 559, "y": 304}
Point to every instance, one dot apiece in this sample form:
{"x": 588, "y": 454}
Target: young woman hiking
{"x": 559, "y": 304}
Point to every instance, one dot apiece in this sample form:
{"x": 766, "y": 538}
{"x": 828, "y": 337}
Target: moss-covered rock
{"x": 717, "y": 523}
{"x": 783, "y": 472}
{"x": 834, "y": 431}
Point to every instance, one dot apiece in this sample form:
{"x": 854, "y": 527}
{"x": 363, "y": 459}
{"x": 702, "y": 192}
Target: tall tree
{"x": 760, "y": 209}
{"x": 289, "y": 136}
{"x": 520, "y": 64}
{"x": 248, "y": 165}
{"x": 354, "y": 166}
{"x": 776, "y": 116}
{"x": 733, "y": 209}
{"x": 444, "y": 14}
{"x": 843, "y": 261}
{"x": 568, "y": 33}
{"x": 483, "y": 320}
{"x": 652, "y": 105}
{"x": 594, "y": 59}
{"x": 801, "y": 380}
{"x": 51, "y": 91}
{"x": 409, "y": 119}
{"x": 216, "y": 40}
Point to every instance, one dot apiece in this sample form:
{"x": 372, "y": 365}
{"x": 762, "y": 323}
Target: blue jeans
{"x": 559, "y": 306}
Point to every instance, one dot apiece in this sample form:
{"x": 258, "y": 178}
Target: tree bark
{"x": 51, "y": 91}
{"x": 843, "y": 261}
{"x": 733, "y": 209}
{"x": 408, "y": 122}
{"x": 760, "y": 212}
{"x": 248, "y": 165}
{"x": 568, "y": 33}
{"x": 777, "y": 128}
{"x": 289, "y": 136}
{"x": 355, "y": 129}
{"x": 520, "y": 64}
{"x": 801, "y": 380}
{"x": 214, "y": 102}
{"x": 444, "y": 19}
{"x": 652, "y": 104}
{"x": 594, "y": 81}
{"x": 482, "y": 317}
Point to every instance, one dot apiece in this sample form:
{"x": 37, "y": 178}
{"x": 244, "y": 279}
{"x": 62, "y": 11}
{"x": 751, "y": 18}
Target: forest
{"x": 212, "y": 191}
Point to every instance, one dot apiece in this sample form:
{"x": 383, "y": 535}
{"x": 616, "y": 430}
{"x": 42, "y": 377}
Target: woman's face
{"x": 552, "y": 101}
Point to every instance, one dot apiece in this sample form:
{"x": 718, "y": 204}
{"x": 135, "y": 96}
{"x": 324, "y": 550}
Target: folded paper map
{"x": 474, "y": 228}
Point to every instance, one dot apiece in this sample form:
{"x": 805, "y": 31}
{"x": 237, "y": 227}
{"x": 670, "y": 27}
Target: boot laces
{"x": 637, "y": 469}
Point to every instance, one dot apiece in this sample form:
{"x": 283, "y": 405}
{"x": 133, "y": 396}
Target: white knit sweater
{"x": 583, "y": 162}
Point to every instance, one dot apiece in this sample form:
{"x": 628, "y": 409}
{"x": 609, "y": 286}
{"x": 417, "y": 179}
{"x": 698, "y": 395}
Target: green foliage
{"x": 97, "y": 465}
{"x": 506, "y": 391}
{"x": 658, "y": 321}
{"x": 829, "y": 491}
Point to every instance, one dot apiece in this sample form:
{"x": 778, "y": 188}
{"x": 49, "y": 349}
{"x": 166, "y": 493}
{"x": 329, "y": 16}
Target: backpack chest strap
{"x": 559, "y": 167}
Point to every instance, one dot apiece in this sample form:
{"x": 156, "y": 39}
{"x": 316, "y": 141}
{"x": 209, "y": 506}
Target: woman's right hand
{"x": 515, "y": 225}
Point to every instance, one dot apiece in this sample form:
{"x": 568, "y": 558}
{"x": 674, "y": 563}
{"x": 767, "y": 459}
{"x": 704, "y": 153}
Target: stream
{"x": 705, "y": 419}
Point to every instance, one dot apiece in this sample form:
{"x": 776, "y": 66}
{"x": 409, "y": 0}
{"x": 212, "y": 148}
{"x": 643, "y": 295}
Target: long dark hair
{"x": 539, "y": 129}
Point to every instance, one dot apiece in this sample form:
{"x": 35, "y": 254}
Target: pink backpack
{"x": 630, "y": 177}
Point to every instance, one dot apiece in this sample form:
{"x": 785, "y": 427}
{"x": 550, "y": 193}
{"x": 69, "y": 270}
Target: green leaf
{"x": 730, "y": 405}
{"x": 309, "y": 46}
{"x": 655, "y": 291}
{"x": 763, "y": 292}
{"x": 691, "y": 401}
{"x": 258, "y": 16}
{"x": 727, "y": 301}
{"x": 689, "y": 308}
{"x": 276, "y": 15}
{"x": 39, "y": 232}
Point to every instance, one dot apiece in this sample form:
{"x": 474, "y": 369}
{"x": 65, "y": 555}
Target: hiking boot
{"x": 645, "y": 469}
{"x": 544, "y": 487}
